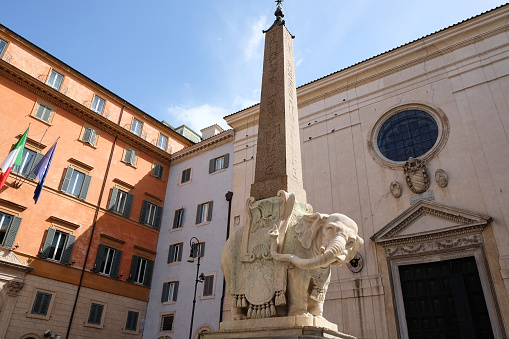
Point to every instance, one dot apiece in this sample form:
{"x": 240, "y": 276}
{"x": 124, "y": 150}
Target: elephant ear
{"x": 308, "y": 227}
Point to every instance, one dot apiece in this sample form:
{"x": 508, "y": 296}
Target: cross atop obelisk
{"x": 278, "y": 156}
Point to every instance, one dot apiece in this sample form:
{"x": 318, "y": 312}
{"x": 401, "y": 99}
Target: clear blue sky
{"x": 194, "y": 62}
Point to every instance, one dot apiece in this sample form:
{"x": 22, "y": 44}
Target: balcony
{"x": 142, "y": 135}
{"x": 105, "y": 112}
{"x": 44, "y": 78}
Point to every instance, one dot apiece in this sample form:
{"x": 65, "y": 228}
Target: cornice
{"x": 203, "y": 146}
{"x": 61, "y": 100}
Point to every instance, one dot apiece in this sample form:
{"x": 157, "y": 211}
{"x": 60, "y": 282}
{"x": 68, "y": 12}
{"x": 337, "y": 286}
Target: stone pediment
{"x": 7, "y": 257}
{"x": 428, "y": 220}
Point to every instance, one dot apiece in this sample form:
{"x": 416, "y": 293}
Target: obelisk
{"x": 278, "y": 156}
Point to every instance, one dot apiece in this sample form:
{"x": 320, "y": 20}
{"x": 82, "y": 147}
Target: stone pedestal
{"x": 280, "y": 332}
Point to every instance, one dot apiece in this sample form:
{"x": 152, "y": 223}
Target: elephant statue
{"x": 279, "y": 263}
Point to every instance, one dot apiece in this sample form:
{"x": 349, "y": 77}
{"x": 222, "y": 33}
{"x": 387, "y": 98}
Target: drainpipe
{"x": 94, "y": 223}
{"x": 229, "y": 197}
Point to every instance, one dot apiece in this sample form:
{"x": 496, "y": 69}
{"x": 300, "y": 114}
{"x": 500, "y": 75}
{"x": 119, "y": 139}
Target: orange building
{"x": 79, "y": 262}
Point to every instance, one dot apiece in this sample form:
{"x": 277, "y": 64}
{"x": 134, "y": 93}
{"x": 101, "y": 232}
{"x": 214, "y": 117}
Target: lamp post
{"x": 194, "y": 243}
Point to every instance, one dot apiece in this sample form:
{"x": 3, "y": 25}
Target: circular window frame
{"x": 443, "y": 134}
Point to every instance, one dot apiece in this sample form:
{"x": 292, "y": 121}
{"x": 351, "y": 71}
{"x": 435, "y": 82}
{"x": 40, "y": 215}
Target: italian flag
{"x": 13, "y": 159}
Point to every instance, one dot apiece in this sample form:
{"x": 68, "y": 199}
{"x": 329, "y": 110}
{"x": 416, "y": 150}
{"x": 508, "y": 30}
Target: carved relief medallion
{"x": 417, "y": 176}
{"x": 396, "y": 189}
{"x": 441, "y": 178}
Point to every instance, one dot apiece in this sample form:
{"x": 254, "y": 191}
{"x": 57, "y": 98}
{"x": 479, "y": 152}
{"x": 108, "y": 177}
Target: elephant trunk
{"x": 325, "y": 259}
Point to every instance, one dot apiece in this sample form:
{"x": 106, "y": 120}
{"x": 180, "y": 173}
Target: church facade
{"x": 413, "y": 145}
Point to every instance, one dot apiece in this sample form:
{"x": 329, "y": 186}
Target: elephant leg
{"x": 315, "y": 307}
{"x": 297, "y": 296}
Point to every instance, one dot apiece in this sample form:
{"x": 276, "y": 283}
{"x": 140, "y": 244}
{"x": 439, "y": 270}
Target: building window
{"x": 29, "y": 160}
{"x": 204, "y": 212}
{"x": 198, "y": 250}
{"x": 185, "y": 177}
{"x": 219, "y": 163}
{"x": 41, "y": 303}
{"x": 136, "y": 127}
{"x": 157, "y": 171}
{"x": 170, "y": 291}
{"x": 95, "y": 315}
{"x": 178, "y": 219}
{"x": 76, "y": 183}
{"x": 151, "y": 214}
{"x": 141, "y": 270}
{"x": 175, "y": 253}
{"x": 3, "y": 47}
{"x": 410, "y": 133}
{"x": 167, "y": 322}
{"x": 121, "y": 202}
{"x": 55, "y": 80}
{"x": 130, "y": 157}
{"x": 107, "y": 261}
{"x": 58, "y": 246}
{"x": 131, "y": 323}
{"x": 98, "y": 104}
{"x": 208, "y": 286}
{"x": 43, "y": 113}
{"x": 162, "y": 143}
{"x": 9, "y": 227}
{"x": 89, "y": 136}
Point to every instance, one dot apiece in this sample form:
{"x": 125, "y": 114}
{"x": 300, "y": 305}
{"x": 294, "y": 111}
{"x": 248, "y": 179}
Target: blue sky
{"x": 194, "y": 62}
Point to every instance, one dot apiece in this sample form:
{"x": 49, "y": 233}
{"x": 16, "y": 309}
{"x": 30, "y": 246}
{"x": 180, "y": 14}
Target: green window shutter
{"x": 69, "y": 244}
{"x": 116, "y": 264}
{"x": 144, "y": 208}
{"x": 209, "y": 215}
{"x": 128, "y": 205}
{"x": 47, "y": 243}
{"x": 86, "y": 135}
{"x": 164, "y": 295}
{"x": 198, "y": 214}
{"x": 101, "y": 256}
{"x": 134, "y": 264}
{"x": 67, "y": 179}
{"x": 175, "y": 290}
{"x": 12, "y": 232}
{"x": 38, "y": 158}
{"x": 113, "y": 199}
{"x": 226, "y": 160}
{"x": 84, "y": 187}
{"x": 148, "y": 273}
{"x": 157, "y": 219}
{"x": 212, "y": 163}
{"x": 41, "y": 303}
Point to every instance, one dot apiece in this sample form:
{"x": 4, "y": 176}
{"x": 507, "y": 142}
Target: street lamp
{"x": 194, "y": 243}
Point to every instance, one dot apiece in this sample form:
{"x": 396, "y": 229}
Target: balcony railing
{"x": 142, "y": 135}
{"x": 7, "y": 57}
{"x": 44, "y": 78}
{"x": 105, "y": 113}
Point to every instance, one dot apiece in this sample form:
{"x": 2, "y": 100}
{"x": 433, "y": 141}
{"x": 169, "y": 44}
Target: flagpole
{"x": 32, "y": 167}
{"x": 17, "y": 173}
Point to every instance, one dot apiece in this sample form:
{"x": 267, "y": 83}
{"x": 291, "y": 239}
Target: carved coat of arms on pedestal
{"x": 417, "y": 177}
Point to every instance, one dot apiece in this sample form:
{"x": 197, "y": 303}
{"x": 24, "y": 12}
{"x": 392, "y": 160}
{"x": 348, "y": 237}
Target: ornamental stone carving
{"x": 396, "y": 189}
{"x": 15, "y": 287}
{"x": 441, "y": 178}
{"x": 417, "y": 177}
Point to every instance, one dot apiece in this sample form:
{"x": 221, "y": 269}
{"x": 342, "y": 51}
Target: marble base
{"x": 299, "y": 332}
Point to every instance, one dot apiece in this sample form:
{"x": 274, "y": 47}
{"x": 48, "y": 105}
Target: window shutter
{"x": 175, "y": 290}
{"x": 86, "y": 135}
{"x": 12, "y": 232}
{"x": 113, "y": 199}
{"x": 46, "y": 114}
{"x": 158, "y": 171}
{"x": 38, "y": 157}
{"x": 128, "y": 155}
{"x": 128, "y": 205}
{"x": 157, "y": 219}
{"x": 208, "y": 285}
{"x": 202, "y": 249}
{"x": 148, "y": 273}
{"x": 47, "y": 243}
{"x": 164, "y": 295}
{"x": 133, "y": 158}
{"x": 144, "y": 207}
{"x": 116, "y": 264}
{"x": 132, "y": 321}
{"x": 180, "y": 250}
{"x": 209, "y": 214}
{"x": 69, "y": 244}
{"x": 67, "y": 178}
{"x": 226, "y": 160}
{"x": 134, "y": 264}
{"x": 171, "y": 251}
{"x": 93, "y": 136}
{"x": 212, "y": 163}
{"x": 39, "y": 112}
{"x": 36, "y": 307}
{"x": 45, "y": 303}
{"x": 198, "y": 214}
{"x": 84, "y": 187}
{"x": 99, "y": 258}
{"x": 96, "y": 312}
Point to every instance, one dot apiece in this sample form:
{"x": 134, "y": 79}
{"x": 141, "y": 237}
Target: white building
{"x": 196, "y": 206}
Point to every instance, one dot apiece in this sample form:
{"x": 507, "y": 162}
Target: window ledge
{"x": 207, "y": 297}
{"x": 93, "y": 325}
{"x": 176, "y": 229}
{"x": 174, "y": 263}
{"x": 184, "y": 183}
{"x": 40, "y": 120}
{"x": 38, "y": 316}
{"x": 204, "y": 223}
{"x": 168, "y": 303}
{"x": 219, "y": 171}
{"x": 133, "y": 166}
{"x": 93, "y": 146}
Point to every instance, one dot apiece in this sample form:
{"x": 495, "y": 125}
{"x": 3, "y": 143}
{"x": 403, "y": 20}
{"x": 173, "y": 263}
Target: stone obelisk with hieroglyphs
{"x": 278, "y": 156}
